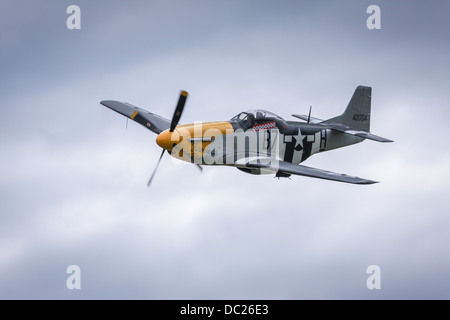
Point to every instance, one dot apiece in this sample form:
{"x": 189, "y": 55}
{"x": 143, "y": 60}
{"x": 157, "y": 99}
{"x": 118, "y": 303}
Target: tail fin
{"x": 357, "y": 115}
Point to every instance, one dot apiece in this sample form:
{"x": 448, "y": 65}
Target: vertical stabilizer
{"x": 357, "y": 114}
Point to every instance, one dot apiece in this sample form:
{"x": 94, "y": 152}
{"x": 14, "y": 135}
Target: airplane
{"x": 258, "y": 141}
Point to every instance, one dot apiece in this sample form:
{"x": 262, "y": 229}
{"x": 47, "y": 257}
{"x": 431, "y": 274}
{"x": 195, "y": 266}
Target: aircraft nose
{"x": 167, "y": 140}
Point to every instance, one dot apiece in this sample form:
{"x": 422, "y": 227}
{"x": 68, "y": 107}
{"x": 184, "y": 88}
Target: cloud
{"x": 73, "y": 179}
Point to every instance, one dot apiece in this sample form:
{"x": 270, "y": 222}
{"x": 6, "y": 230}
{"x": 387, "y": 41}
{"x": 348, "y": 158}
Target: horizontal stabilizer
{"x": 367, "y": 135}
{"x": 149, "y": 120}
{"x": 342, "y": 128}
{"x": 361, "y": 134}
{"x": 306, "y": 117}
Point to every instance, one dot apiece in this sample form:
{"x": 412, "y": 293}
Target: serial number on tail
{"x": 360, "y": 117}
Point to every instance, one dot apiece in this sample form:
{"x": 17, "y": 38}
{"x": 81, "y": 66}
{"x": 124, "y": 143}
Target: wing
{"x": 290, "y": 168}
{"x": 151, "y": 121}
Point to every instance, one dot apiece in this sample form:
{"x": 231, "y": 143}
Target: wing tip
{"x": 368, "y": 182}
{"x": 109, "y": 103}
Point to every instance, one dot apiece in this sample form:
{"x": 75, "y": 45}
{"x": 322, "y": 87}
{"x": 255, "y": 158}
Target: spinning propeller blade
{"x": 176, "y": 117}
{"x": 178, "y": 110}
{"x": 154, "y": 171}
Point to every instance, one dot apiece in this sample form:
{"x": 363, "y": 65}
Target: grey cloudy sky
{"x": 72, "y": 179}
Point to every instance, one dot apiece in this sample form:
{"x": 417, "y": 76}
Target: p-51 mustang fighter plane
{"x": 258, "y": 141}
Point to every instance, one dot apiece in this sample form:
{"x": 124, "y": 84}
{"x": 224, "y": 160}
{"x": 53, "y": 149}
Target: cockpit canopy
{"x": 255, "y": 117}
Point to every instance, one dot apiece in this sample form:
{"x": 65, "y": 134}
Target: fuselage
{"x": 254, "y": 134}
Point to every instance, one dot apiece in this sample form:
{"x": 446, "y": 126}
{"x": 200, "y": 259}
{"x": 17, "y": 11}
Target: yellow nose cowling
{"x": 166, "y": 139}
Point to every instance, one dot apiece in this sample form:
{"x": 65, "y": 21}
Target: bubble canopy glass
{"x": 256, "y": 116}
